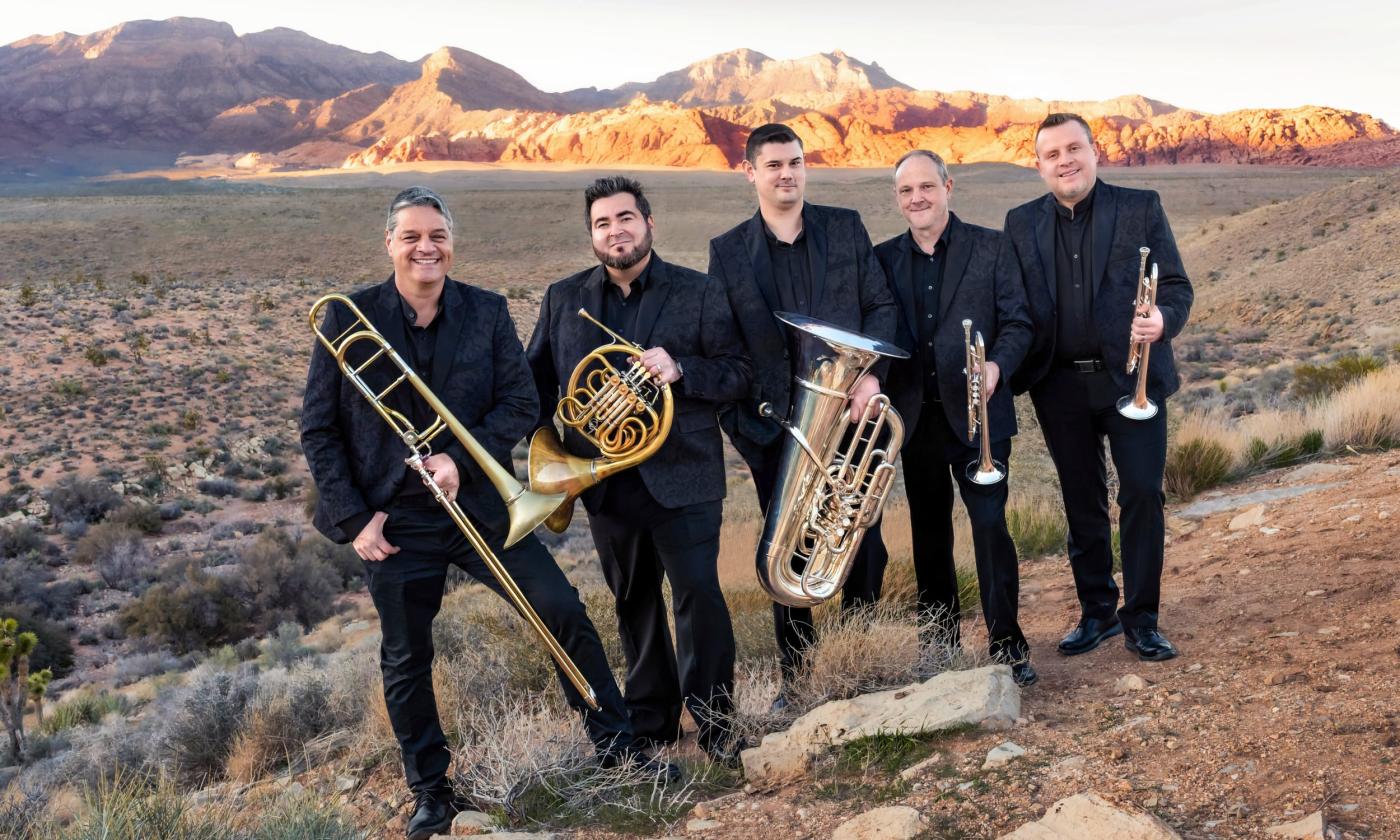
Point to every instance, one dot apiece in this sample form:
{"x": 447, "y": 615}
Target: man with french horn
{"x": 460, "y": 343}
{"x": 1083, "y": 250}
{"x": 946, "y": 273}
{"x": 660, "y": 516}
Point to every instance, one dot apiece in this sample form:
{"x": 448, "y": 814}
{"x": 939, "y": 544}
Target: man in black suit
{"x": 663, "y": 516}
{"x": 792, "y": 256}
{"x": 943, "y": 271}
{"x": 460, "y": 340}
{"x": 1078, "y": 251}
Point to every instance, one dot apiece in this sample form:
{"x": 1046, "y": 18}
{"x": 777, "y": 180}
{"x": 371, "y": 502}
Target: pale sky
{"x": 1209, "y": 55}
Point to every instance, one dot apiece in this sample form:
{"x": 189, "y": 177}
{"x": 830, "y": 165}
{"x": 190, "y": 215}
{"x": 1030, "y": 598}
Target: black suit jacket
{"x": 479, "y": 373}
{"x": 849, "y": 290}
{"x": 687, "y": 314}
{"x": 981, "y": 281}
{"x": 1124, "y": 220}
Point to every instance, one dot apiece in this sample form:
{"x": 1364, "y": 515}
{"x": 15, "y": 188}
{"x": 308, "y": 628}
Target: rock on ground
{"x": 1087, "y": 815}
{"x": 898, "y": 822}
{"x": 1311, "y": 827}
{"x": 947, "y": 700}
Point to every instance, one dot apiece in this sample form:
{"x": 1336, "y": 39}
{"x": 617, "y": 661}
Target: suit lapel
{"x": 454, "y": 316}
{"x": 658, "y": 287}
{"x": 815, "y": 232}
{"x": 959, "y": 253}
{"x": 760, "y": 261}
{"x": 1045, "y": 244}
{"x": 1105, "y": 219}
{"x": 390, "y": 320}
{"x": 902, "y": 271}
{"x": 592, "y": 300}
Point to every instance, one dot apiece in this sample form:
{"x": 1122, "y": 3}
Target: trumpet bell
{"x": 977, "y": 475}
{"x": 1129, "y": 408}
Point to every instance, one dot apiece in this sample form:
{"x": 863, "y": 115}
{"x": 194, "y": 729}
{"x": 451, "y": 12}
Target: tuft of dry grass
{"x": 1365, "y": 414}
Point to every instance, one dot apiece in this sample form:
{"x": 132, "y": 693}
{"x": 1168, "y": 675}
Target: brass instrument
{"x": 1136, "y": 406}
{"x": 826, "y": 496}
{"x": 626, "y": 414}
{"x": 984, "y": 470}
{"x": 526, "y": 509}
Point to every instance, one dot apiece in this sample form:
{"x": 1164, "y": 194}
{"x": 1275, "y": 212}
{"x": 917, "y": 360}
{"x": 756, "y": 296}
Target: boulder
{"x": 897, "y": 822}
{"x": 1086, "y": 815}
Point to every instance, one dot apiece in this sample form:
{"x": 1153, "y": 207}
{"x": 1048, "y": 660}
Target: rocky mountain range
{"x": 146, "y": 93}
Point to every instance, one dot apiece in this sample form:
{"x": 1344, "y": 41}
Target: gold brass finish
{"x": 525, "y": 508}
{"x": 626, "y": 414}
{"x": 1137, "y": 406}
{"x": 984, "y": 470}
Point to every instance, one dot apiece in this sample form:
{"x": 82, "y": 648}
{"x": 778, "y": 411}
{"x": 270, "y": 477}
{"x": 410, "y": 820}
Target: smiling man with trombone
{"x": 963, "y": 311}
{"x": 1083, "y": 249}
{"x": 417, "y": 391}
{"x": 637, "y": 354}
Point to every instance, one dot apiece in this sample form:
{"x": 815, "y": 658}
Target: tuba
{"x": 984, "y": 470}
{"x": 625, "y": 414}
{"x": 1136, "y": 406}
{"x": 826, "y": 494}
{"x": 526, "y": 509}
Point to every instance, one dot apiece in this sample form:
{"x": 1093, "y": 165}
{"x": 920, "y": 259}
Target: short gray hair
{"x": 925, "y": 153}
{"x": 416, "y": 197}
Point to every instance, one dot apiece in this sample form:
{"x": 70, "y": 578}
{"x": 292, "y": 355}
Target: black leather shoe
{"x": 1024, "y": 675}
{"x": 1148, "y": 644}
{"x": 1089, "y": 634}
{"x": 432, "y": 814}
{"x": 642, "y": 765}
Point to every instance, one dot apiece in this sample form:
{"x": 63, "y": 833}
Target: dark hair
{"x": 924, "y": 153}
{"x": 610, "y": 186}
{"x": 770, "y": 133}
{"x": 416, "y": 197}
{"x": 1062, "y": 118}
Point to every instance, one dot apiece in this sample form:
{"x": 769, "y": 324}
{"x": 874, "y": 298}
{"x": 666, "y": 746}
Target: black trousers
{"x": 407, "y": 590}
{"x": 1077, "y": 412}
{"x": 793, "y": 625}
{"x": 638, "y": 542}
{"x": 930, "y": 456}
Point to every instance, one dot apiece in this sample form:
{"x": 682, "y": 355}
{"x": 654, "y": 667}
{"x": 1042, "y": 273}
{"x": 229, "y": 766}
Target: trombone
{"x": 984, "y": 470}
{"x": 525, "y": 509}
{"x": 1136, "y": 406}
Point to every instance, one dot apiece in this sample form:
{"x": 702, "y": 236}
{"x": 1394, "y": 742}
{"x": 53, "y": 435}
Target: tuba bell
{"x": 984, "y": 470}
{"x": 1136, "y": 406}
{"x": 626, "y": 414}
{"x": 526, "y": 509}
{"x": 826, "y": 494}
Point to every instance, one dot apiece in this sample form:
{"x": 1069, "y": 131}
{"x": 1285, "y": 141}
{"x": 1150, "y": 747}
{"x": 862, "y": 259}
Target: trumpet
{"x": 984, "y": 470}
{"x": 1136, "y": 406}
{"x": 525, "y": 509}
{"x": 826, "y": 497}
{"x": 626, "y": 414}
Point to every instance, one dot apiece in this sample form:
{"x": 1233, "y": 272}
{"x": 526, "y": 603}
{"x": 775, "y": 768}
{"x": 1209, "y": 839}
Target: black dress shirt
{"x": 1074, "y": 283}
{"x": 422, "y": 344}
{"x": 620, "y": 311}
{"x": 792, "y": 272}
{"x": 928, "y": 284}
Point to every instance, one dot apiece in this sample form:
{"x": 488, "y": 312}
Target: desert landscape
{"x": 212, "y": 661}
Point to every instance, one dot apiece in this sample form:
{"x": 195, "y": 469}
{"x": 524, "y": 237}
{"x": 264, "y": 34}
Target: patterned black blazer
{"x": 687, "y": 314}
{"x": 981, "y": 281}
{"x": 849, "y": 290}
{"x": 479, "y": 373}
{"x": 1124, "y": 220}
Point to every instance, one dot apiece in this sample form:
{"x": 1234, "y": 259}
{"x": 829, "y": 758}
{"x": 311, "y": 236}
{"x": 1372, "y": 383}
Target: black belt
{"x": 1082, "y": 365}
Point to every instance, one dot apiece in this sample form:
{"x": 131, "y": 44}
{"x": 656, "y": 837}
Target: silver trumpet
{"x": 826, "y": 495}
{"x": 1136, "y": 406}
{"x": 984, "y": 470}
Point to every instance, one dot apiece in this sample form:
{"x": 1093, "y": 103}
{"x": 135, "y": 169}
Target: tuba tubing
{"x": 526, "y": 509}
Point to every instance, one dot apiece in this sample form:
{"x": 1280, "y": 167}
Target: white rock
{"x": 468, "y": 823}
{"x": 1002, "y": 754}
{"x": 1088, "y": 815}
{"x": 1312, "y": 827}
{"x": 1252, "y": 518}
{"x": 950, "y": 699}
{"x": 345, "y": 784}
{"x": 897, "y": 822}
{"x": 1067, "y": 766}
{"x": 1130, "y": 682}
{"x": 916, "y": 770}
{"x": 693, "y": 826}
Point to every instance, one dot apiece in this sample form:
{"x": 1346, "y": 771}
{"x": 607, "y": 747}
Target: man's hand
{"x": 1148, "y": 329}
{"x": 370, "y": 544}
{"x": 660, "y": 364}
{"x": 991, "y": 376}
{"x": 866, "y": 388}
{"x": 444, "y": 471}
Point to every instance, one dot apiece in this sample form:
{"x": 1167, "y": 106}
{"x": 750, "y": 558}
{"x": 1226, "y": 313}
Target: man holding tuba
{"x": 460, "y": 340}
{"x": 662, "y": 516}
{"x": 1080, "y": 251}
{"x": 944, "y": 271}
{"x": 806, "y": 259}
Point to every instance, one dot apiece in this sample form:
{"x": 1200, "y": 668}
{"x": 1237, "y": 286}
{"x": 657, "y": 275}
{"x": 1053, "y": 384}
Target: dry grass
{"x": 1364, "y": 415}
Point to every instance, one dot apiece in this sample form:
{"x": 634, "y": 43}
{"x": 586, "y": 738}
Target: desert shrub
{"x": 284, "y": 647}
{"x": 201, "y": 721}
{"x": 138, "y": 666}
{"x": 193, "y": 611}
{"x": 291, "y": 711}
{"x": 27, "y": 581}
{"x": 1194, "y": 465}
{"x": 85, "y": 499}
{"x": 84, "y": 707}
{"x": 20, "y": 540}
{"x": 1312, "y": 382}
{"x": 217, "y": 487}
{"x": 119, "y": 554}
{"x": 1366, "y": 414}
{"x": 285, "y": 586}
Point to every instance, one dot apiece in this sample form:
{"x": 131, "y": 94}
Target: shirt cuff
{"x": 353, "y": 525}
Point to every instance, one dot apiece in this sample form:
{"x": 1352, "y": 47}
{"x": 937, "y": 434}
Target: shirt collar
{"x": 411, "y": 315}
{"x": 639, "y": 283}
{"x": 1081, "y": 207}
{"x": 774, "y": 240}
{"x": 939, "y": 247}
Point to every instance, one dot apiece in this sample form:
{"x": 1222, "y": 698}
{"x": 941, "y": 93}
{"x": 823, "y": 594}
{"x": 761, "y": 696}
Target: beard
{"x": 625, "y": 261}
